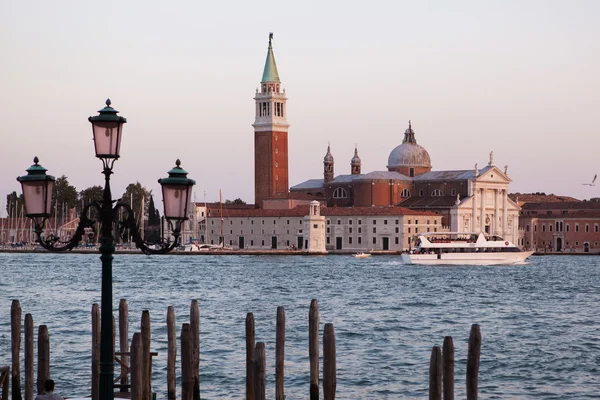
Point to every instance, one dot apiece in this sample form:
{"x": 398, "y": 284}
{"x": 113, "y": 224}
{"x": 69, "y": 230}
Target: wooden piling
{"x": 473, "y": 362}
{"x": 5, "y": 381}
{"x": 280, "y": 354}
{"x": 171, "y": 354}
{"x": 29, "y": 358}
{"x": 448, "y": 368}
{"x": 124, "y": 341}
{"x": 435, "y": 374}
{"x": 95, "y": 351}
{"x": 250, "y": 338}
{"x": 313, "y": 348}
{"x": 260, "y": 372}
{"x": 15, "y": 337}
{"x": 43, "y": 358}
{"x": 195, "y": 337}
{"x": 146, "y": 358}
{"x": 187, "y": 364}
{"x": 329, "y": 363}
{"x": 137, "y": 367}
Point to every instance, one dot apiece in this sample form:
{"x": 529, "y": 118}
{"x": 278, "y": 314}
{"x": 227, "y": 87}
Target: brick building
{"x": 560, "y": 226}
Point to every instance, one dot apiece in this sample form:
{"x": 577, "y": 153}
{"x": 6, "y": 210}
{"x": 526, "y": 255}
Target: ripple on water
{"x": 541, "y": 336}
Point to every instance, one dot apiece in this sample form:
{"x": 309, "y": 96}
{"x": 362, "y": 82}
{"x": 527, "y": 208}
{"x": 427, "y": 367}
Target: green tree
{"x": 86, "y": 196}
{"x": 153, "y": 214}
{"x": 236, "y": 201}
{"x": 64, "y": 197}
{"x": 14, "y": 202}
{"x": 134, "y": 194}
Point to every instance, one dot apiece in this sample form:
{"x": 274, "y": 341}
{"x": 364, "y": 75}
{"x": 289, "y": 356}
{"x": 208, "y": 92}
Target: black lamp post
{"x": 37, "y": 192}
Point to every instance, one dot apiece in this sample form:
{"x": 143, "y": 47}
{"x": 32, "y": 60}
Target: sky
{"x": 519, "y": 78}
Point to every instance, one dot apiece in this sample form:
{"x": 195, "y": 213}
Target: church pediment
{"x": 493, "y": 174}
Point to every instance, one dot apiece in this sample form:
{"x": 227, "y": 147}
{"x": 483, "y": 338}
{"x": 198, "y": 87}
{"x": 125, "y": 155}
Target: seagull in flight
{"x": 593, "y": 181}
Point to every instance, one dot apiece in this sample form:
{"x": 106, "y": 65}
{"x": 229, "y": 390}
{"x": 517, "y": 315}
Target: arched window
{"x": 405, "y": 193}
{"x": 340, "y": 193}
{"x": 453, "y": 192}
{"x": 436, "y": 193}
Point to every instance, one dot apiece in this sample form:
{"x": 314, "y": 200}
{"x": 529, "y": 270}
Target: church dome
{"x": 356, "y": 159}
{"x": 409, "y": 153}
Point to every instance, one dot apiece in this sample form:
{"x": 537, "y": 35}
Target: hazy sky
{"x": 516, "y": 77}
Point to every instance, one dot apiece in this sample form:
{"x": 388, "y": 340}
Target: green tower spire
{"x": 270, "y": 73}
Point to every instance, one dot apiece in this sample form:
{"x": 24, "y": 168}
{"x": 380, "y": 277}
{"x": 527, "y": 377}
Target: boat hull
{"x": 490, "y": 258}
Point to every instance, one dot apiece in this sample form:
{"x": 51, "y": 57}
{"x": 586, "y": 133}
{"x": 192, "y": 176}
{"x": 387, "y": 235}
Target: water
{"x": 539, "y": 322}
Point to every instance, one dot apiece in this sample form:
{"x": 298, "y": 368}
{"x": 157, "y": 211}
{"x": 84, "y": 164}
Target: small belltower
{"x": 328, "y": 166}
{"x": 355, "y": 163}
{"x": 270, "y": 135}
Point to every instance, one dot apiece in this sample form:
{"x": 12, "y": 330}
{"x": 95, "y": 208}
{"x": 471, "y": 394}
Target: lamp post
{"x": 37, "y": 192}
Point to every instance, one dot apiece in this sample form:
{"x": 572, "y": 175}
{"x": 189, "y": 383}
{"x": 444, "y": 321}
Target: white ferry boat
{"x": 454, "y": 248}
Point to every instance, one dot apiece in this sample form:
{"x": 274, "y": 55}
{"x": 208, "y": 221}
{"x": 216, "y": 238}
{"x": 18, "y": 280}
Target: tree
{"x": 236, "y": 201}
{"x": 14, "y": 202}
{"x": 86, "y": 196}
{"x": 153, "y": 214}
{"x": 64, "y": 196}
{"x": 134, "y": 194}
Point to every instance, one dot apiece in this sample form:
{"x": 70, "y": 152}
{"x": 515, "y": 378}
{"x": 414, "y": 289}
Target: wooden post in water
{"x": 147, "y": 368}
{"x": 187, "y": 364}
{"x": 280, "y": 354}
{"x": 171, "y": 354}
{"x": 137, "y": 367}
{"x": 448, "y": 374}
{"x": 313, "y": 348}
{"x": 250, "y": 338}
{"x": 124, "y": 339}
{"x": 95, "y": 352}
{"x": 15, "y": 341}
{"x": 5, "y": 381}
{"x": 260, "y": 372}
{"x": 435, "y": 374}
{"x": 29, "y": 357}
{"x": 329, "y": 363}
{"x": 473, "y": 362}
{"x": 43, "y": 358}
{"x": 195, "y": 337}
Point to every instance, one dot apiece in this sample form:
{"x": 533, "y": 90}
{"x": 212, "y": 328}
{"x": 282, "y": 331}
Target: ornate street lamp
{"x": 37, "y": 191}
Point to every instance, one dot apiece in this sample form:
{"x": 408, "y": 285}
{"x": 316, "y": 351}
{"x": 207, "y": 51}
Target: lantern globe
{"x": 107, "y": 128}
{"x": 177, "y": 193}
{"x": 37, "y": 192}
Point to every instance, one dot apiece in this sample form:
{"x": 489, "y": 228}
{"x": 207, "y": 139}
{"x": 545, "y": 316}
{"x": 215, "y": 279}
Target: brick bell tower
{"x": 270, "y": 135}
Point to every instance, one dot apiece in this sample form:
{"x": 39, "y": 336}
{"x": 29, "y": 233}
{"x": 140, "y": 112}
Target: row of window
{"x": 350, "y": 222}
{"x": 341, "y": 193}
{"x": 359, "y": 240}
{"x": 559, "y": 227}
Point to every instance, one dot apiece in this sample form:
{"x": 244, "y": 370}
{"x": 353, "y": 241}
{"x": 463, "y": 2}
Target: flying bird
{"x": 593, "y": 181}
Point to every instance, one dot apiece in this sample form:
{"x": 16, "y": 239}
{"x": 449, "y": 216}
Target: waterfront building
{"x": 344, "y": 228}
{"x": 560, "y": 226}
{"x": 473, "y": 200}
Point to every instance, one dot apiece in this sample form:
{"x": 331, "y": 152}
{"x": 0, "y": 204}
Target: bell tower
{"x": 270, "y": 135}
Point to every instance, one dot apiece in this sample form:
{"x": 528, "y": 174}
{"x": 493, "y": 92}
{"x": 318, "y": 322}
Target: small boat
{"x": 362, "y": 255}
{"x": 460, "y": 248}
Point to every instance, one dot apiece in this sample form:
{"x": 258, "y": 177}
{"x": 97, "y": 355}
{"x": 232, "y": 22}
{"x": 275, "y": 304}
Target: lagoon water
{"x": 539, "y": 322}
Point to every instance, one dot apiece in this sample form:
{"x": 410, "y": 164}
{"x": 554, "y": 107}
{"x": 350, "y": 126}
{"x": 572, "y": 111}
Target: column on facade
{"x": 496, "y": 211}
{"x": 504, "y": 211}
{"x": 474, "y": 213}
{"x": 482, "y": 216}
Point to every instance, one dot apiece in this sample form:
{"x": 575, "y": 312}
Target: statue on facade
{"x": 491, "y": 158}
{"x": 476, "y": 170}
{"x": 506, "y": 170}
